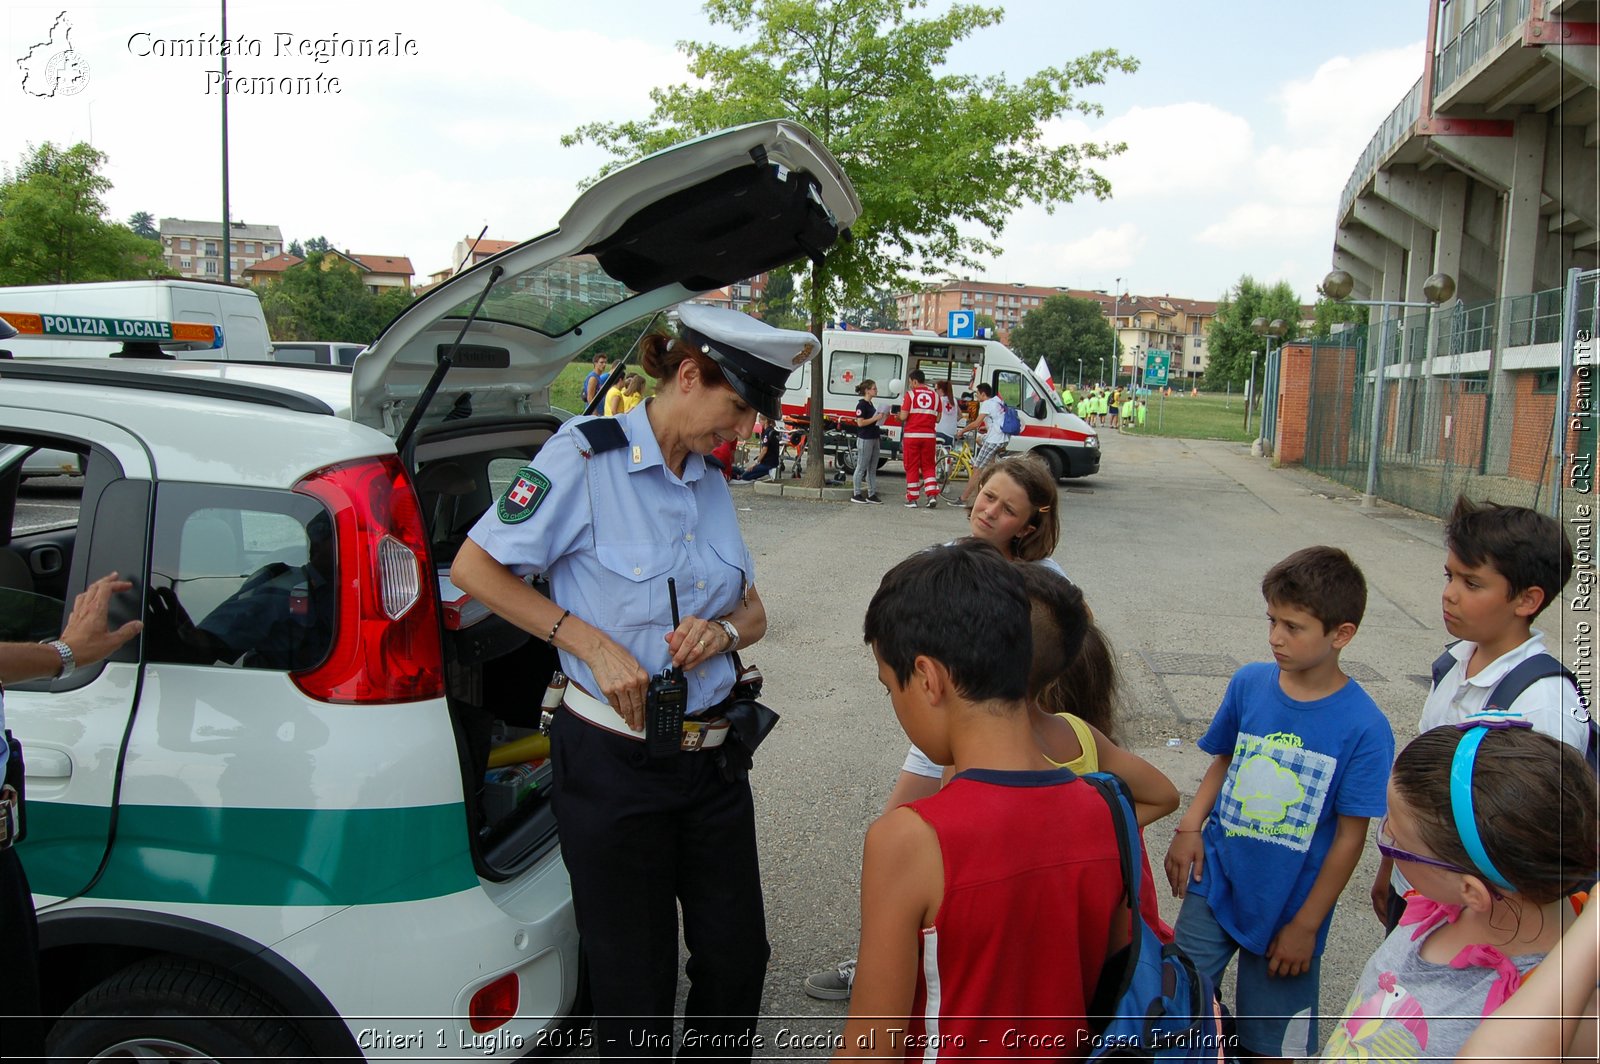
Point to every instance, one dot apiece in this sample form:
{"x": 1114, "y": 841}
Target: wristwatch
{"x": 733, "y": 636}
{"x": 67, "y": 662}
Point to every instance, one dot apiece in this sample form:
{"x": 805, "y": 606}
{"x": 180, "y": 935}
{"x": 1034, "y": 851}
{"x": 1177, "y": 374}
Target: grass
{"x": 1206, "y": 416}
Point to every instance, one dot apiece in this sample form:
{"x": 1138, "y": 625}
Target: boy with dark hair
{"x": 1502, "y": 566}
{"x": 1301, "y": 760}
{"x": 980, "y": 934}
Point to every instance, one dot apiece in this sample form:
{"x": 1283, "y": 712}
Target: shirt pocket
{"x": 727, "y": 577}
{"x": 632, "y": 591}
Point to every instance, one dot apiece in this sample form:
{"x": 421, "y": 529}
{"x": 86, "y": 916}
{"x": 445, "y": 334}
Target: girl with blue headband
{"x": 1494, "y": 826}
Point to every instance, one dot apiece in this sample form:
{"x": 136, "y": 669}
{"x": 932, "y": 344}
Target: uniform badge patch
{"x": 523, "y": 496}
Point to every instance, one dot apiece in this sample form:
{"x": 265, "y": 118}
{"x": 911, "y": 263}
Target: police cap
{"x": 755, "y": 358}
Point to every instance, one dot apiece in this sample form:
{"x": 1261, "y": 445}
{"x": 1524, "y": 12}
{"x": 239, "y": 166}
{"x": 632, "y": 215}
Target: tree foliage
{"x": 779, "y": 305}
{"x": 143, "y": 223}
{"x": 53, "y": 224}
{"x": 325, "y": 299}
{"x": 1230, "y": 340}
{"x": 318, "y": 245}
{"x": 1072, "y": 335}
{"x": 1329, "y": 313}
{"x": 932, "y": 155}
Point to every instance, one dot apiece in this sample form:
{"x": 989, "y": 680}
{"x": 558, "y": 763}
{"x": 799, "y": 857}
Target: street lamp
{"x": 1337, "y": 286}
{"x": 1116, "y": 346}
{"x": 1269, "y": 331}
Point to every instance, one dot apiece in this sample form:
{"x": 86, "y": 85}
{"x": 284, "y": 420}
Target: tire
{"x": 1054, "y": 459}
{"x": 175, "y": 1009}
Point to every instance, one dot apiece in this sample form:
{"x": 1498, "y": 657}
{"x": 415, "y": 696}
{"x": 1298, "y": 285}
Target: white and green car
{"x": 263, "y": 830}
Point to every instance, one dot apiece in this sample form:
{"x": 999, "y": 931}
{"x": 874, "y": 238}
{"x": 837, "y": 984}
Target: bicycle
{"x": 956, "y": 463}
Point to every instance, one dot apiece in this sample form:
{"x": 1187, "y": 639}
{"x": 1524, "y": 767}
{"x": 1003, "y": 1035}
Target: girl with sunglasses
{"x": 1494, "y": 826}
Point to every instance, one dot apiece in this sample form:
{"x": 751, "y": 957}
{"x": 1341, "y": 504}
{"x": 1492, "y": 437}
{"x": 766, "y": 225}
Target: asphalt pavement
{"x": 1169, "y": 542}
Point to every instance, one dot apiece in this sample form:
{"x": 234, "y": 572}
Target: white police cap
{"x": 755, "y": 358}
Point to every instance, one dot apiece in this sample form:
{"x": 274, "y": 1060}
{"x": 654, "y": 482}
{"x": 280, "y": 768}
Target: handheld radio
{"x": 666, "y": 699}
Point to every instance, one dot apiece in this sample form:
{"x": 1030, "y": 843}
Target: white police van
{"x": 98, "y": 318}
{"x": 271, "y": 828}
{"x": 1065, "y": 441}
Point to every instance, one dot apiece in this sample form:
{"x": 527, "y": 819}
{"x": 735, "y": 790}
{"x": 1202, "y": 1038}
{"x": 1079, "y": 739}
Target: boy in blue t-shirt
{"x": 1301, "y": 758}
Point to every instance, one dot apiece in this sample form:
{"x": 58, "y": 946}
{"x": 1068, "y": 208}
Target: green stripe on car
{"x": 214, "y": 856}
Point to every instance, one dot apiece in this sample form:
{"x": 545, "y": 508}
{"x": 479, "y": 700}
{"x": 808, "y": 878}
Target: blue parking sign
{"x": 963, "y": 325}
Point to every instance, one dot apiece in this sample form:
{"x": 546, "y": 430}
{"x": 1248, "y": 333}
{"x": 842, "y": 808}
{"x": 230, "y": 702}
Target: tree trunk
{"x": 814, "y": 475}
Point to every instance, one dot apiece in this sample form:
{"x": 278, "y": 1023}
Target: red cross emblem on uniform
{"x": 521, "y": 492}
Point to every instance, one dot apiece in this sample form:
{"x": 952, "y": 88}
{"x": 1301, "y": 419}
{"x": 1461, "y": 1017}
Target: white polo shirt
{"x": 1551, "y": 705}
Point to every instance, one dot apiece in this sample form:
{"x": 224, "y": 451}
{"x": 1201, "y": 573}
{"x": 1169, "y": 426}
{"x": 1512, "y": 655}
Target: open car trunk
{"x": 685, "y": 220}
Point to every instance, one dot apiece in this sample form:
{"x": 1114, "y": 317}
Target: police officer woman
{"x": 608, "y": 511}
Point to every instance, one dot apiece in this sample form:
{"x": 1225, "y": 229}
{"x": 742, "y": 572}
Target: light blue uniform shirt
{"x": 608, "y": 532}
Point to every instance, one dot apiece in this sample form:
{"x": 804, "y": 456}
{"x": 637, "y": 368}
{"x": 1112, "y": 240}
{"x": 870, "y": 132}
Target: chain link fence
{"x": 1468, "y": 402}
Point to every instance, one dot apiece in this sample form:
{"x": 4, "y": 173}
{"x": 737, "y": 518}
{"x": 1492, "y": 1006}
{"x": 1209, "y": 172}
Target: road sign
{"x": 963, "y": 325}
{"x": 1156, "y": 364}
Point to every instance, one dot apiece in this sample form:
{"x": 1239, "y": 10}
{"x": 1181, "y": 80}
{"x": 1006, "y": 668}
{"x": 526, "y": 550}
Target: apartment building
{"x": 195, "y": 249}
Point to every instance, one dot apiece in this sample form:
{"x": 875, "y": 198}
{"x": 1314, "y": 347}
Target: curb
{"x": 789, "y": 489}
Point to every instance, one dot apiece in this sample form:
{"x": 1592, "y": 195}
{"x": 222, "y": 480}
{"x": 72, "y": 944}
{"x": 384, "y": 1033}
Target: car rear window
{"x": 241, "y": 577}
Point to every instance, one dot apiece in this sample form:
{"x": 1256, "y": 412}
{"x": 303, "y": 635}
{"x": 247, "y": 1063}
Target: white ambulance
{"x": 1049, "y": 429}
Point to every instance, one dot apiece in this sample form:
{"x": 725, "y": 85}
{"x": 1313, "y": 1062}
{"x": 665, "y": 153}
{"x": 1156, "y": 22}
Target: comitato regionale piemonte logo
{"x": 53, "y": 67}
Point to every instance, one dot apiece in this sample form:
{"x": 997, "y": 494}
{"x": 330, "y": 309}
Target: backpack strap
{"x": 603, "y": 434}
{"x": 1523, "y": 676}
{"x": 1443, "y": 663}
{"x": 1129, "y": 845}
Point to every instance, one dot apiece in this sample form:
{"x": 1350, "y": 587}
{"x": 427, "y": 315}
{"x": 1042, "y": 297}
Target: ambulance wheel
{"x": 175, "y": 1010}
{"x": 1056, "y": 464}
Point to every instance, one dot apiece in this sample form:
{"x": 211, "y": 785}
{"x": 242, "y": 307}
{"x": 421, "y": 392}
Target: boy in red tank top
{"x": 981, "y": 936}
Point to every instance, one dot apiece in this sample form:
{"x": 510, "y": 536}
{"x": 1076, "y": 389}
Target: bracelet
{"x": 551, "y": 638}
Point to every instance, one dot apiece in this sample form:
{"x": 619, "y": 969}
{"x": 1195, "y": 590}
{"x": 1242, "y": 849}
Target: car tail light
{"x": 386, "y": 645}
{"x": 494, "y": 1004}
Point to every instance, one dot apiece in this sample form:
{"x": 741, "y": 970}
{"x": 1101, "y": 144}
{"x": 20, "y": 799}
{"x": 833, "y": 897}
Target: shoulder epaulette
{"x": 602, "y": 434}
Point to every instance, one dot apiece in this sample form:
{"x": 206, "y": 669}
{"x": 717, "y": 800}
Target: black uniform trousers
{"x": 640, "y": 837}
{"x": 21, "y": 1029}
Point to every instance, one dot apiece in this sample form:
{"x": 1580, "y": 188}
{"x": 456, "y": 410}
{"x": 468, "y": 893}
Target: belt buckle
{"x": 8, "y": 823}
{"x": 694, "y": 735}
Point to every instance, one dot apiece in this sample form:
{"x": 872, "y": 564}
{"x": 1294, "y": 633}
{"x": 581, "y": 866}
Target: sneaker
{"x": 911, "y": 504}
{"x": 858, "y": 497}
{"x": 874, "y": 498}
{"x": 933, "y": 504}
{"x": 832, "y": 984}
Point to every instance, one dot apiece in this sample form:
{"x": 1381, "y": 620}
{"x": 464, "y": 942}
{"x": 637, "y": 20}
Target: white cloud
{"x": 1174, "y": 150}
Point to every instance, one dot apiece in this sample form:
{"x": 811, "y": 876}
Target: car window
{"x": 294, "y": 353}
{"x": 848, "y": 369}
{"x": 241, "y": 577}
{"x": 348, "y": 353}
{"x": 36, "y": 545}
{"x": 553, "y": 298}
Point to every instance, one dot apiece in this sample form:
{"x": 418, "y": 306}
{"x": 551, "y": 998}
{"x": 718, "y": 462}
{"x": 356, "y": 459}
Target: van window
{"x": 304, "y": 355}
{"x": 1022, "y": 393}
{"x": 241, "y": 577}
{"x": 849, "y": 368}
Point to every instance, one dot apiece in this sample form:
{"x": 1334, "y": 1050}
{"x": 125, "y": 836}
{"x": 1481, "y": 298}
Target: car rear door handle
{"x": 47, "y": 764}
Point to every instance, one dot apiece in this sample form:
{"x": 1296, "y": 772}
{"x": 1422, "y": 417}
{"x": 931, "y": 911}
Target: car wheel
{"x": 175, "y": 1010}
{"x": 1054, "y": 460}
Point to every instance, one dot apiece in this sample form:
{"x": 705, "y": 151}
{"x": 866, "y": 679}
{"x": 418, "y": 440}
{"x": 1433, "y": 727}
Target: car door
{"x": 57, "y": 540}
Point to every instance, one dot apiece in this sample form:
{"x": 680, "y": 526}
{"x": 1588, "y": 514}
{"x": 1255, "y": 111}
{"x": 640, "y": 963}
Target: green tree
{"x": 778, "y": 305}
{"x": 1072, "y": 335}
{"x": 143, "y": 224}
{"x": 297, "y": 249}
{"x": 318, "y": 245}
{"x": 324, "y": 298}
{"x": 1230, "y": 340}
{"x": 1329, "y": 313}
{"x": 938, "y": 159}
{"x": 875, "y": 310}
{"x": 53, "y": 224}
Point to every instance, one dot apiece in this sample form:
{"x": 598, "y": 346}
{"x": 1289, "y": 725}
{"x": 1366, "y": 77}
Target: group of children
{"x": 1115, "y": 408}
{"x": 991, "y": 895}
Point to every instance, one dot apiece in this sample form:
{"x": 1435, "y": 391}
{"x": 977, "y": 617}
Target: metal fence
{"x": 1469, "y": 401}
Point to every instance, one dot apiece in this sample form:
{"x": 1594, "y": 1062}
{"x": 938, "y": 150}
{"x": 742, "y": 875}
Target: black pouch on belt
{"x": 748, "y": 724}
{"x": 16, "y": 776}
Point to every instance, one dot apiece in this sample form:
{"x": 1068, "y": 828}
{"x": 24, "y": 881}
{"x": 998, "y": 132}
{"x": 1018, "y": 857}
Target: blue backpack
{"x": 1010, "y": 423}
{"x": 1522, "y": 676}
{"x": 1151, "y": 1003}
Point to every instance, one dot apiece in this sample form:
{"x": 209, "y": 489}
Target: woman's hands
{"x": 695, "y": 640}
{"x": 620, "y": 677}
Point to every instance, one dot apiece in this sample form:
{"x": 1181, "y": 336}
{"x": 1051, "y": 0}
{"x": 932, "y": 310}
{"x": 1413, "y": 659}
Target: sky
{"x": 1242, "y": 123}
